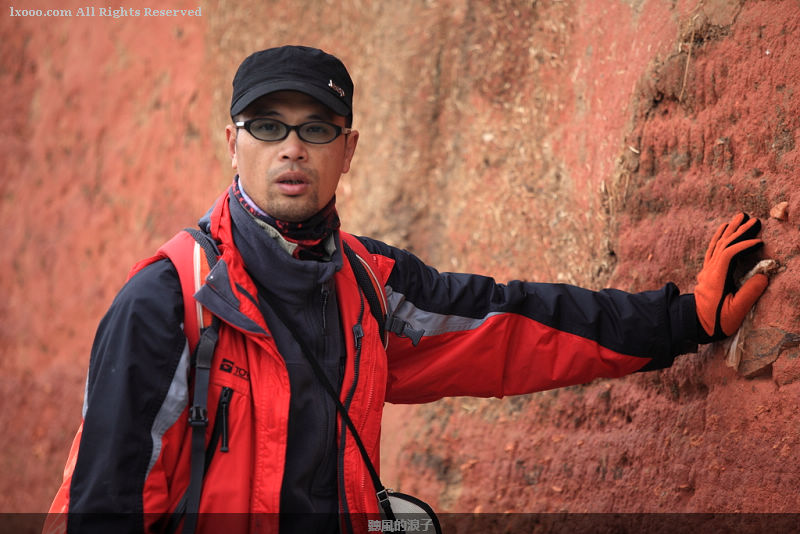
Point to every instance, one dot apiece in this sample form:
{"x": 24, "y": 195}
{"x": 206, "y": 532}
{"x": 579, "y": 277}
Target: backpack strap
{"x": 198, "y": 420}
{"x": 368, "y": 282}
{"x": 373, "y": 289}
{"x": 201, "y": 269}
{"x": 194, "y": 259}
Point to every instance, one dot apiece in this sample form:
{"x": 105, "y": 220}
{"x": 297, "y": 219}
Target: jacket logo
{"x": 228, "y": 366}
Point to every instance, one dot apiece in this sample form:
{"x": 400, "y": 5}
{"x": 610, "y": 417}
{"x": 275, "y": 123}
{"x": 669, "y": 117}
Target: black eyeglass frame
{"x": 296, "y": 127}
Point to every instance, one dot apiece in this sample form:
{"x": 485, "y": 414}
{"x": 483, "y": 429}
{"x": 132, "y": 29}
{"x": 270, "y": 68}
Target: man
{"x": 281, "y": 287}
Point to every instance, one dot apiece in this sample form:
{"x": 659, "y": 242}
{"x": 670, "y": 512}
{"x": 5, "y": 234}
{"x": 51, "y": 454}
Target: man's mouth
{"x": 292, "y": 177}
{"x": 292, "y": 183}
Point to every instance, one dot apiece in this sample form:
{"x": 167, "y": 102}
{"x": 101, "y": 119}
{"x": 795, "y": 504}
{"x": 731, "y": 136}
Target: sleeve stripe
{"x": 173, "y": 406}
{"x": 432, "y": 323}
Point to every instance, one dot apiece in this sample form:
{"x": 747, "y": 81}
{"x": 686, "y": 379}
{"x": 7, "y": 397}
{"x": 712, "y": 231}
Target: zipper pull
{"x": 325, "y": 294}
{"x": 224, "y": 402}
{"x": 358, "y": 333}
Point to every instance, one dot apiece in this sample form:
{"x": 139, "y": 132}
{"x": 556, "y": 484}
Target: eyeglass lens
{"x": 311, "y": 132}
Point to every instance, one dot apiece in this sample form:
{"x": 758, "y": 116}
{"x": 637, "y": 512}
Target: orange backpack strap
{"x": 365, "y": 268}
{"x": 192, "y": 253}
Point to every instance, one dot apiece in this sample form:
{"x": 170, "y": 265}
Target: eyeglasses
{"x": 316, "y": 132}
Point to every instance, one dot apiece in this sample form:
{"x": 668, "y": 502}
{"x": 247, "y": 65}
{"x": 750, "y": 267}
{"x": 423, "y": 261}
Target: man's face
{"x": 291, "y": 180}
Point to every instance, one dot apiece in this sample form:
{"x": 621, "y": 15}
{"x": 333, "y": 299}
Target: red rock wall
{"x": 596, "y": 142}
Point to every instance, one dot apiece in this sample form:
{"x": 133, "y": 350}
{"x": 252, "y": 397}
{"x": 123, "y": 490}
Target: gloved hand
{"x": 721, "y": 308}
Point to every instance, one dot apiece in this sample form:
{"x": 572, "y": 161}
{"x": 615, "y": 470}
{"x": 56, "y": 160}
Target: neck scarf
{"x": 310, "y": 235}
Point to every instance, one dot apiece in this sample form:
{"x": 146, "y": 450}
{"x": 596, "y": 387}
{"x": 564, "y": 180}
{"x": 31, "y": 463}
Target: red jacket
{"x": 452, "y": 334}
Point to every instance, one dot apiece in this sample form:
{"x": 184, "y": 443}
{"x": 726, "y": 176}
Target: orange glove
{"x": 721, "y": 308}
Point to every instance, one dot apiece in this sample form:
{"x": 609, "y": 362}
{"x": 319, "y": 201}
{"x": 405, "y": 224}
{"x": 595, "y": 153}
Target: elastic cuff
{"x": 685, "y": 325}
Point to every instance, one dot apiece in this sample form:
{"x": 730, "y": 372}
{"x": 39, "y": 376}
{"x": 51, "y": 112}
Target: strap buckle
{"x": 383, "y": 496}
{"x": 198, "y": 416}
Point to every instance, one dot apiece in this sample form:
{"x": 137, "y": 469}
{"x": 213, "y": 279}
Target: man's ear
{"x": 230, "y": 133}
{"x": 350, "y": 142}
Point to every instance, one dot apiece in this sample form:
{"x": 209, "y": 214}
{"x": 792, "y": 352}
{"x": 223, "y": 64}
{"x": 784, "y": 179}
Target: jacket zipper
{"x": 370, "y": 396}
{"x": 224, "y": 403}
{"x": 358, "y": 333}
{"x": 220, "y": 431}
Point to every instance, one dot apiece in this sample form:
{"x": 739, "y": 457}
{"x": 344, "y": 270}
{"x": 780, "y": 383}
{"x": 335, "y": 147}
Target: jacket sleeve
{"x": 138, "y": 355}
{"x": 463, "y": 334}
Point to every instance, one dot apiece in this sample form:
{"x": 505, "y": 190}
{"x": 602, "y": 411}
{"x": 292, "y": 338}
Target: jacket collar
{"x": 248, "y": 251}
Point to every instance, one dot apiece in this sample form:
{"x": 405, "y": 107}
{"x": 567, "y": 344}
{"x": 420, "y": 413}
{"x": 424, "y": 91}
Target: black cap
{"x": 293, "y": 68}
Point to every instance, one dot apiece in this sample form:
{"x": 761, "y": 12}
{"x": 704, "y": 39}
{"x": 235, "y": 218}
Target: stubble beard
{"x": 294, "y": 209}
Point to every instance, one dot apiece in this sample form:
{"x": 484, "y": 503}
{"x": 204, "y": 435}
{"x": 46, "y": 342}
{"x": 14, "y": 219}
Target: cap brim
{"x": 322, "y": 94}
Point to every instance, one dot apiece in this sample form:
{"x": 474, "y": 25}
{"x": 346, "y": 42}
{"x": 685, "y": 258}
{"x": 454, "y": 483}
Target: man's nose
{"x": 293, "y": 148}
